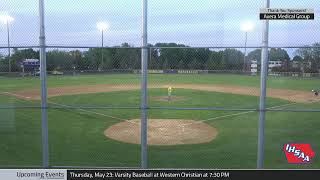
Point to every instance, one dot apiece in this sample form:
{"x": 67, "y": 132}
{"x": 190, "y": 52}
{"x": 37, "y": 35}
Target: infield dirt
{"x": 163, "y": 132}
{"x": 285, "y": 94}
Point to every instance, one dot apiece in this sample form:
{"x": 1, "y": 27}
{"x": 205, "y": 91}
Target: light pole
{"x": 102, "y": 26}
{"x": 246, "y": 27}
{"x": 6, "y": 19}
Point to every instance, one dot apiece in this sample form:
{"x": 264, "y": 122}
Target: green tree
{"x": 297, "y": 58}
{"x": 165, "y": 65}
{"x": 94, "y": 58}
{"x": 124, "y": 57}
{"x": 169, "y": 56}
{"x": 311, "y": 54}
{"x": 4, "y": 64}
{"x": 201, "y": 56}
{"x": 195, "y": 64}
{"x": 298, "y": 61}
{"x": 181, "y": 65}
{"x": 127, "y": 56}
{"x": 278, "y": 54}
{"x": 215, "y": 61}
{"x": 233, "y": 59}
{"x": 154, "y": 60}
{"x": 254, "y": 55}
{"x": 19, "y": 55}
{"x": 76, "y": 59}
{"x": 59, "y": 60}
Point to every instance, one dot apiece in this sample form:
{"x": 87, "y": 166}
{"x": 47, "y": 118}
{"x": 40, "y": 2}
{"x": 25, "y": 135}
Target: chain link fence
{"x": 203, "y": 84}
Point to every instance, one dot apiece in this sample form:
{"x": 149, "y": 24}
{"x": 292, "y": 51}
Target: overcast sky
{"x": 191, "y": 22}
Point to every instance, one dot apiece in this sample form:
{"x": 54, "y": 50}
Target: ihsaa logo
{"x": 298, "y": 153}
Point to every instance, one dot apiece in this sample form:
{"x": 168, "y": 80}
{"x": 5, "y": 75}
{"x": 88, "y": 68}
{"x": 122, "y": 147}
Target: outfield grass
{"x": 76, "y": 137}
{"x": 191, "y": 98}
{"x": 294, "y": 83}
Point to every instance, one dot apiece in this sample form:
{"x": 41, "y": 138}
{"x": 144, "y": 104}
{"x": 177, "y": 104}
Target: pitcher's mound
{"x": 163, "y": 132}
{"x": 166, "y": 98}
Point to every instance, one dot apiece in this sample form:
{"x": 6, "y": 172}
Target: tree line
{"x": 162, "y": 56}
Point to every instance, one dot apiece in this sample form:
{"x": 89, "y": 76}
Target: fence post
{"x": 263, "y": 90}
{"x": 43, "y": 74}
{"x": 144, "y": 73}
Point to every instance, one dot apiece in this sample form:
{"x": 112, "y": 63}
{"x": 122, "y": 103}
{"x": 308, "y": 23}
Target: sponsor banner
{"x": 286, "y": 14}
{"x": 283, "y": 10}
{"x": 33, "y": 174}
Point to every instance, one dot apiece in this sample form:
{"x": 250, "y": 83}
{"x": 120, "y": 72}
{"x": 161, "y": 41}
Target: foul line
{"x": 25, "y": 98}
{"x": 15, "y": 95}
{"x": 113, "y": 117}
{"x": 236, "y": 114}
{"x": 93, "y": 112}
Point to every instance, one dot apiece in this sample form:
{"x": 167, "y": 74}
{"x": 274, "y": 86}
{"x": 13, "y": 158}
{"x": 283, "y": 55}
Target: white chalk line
{"x": 113, "y": 117}
{"x": 93, "y": 112}
{"x": 83, "y": 110}
{"x": 16, "y": 95}
{"x": 63, "y": 105}
{"x": 241, "y": 113}
{"x": 236, "y": 114}
{"x": 101, "y": 114}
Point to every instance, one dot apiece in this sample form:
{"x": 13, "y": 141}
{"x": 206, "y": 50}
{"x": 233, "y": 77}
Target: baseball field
{"x": 109, "y": 137}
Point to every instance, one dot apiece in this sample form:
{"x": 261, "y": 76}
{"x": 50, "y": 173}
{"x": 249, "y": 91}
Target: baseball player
{"x": 169, "y": 93}
{"x": 315, "y": 92}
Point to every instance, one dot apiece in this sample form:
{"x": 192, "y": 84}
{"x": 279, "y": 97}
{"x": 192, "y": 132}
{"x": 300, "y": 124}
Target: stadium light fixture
{"x": 247, "y": 26}
{"x": 7, "y": 19}
{"x": 102, "y": 26}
